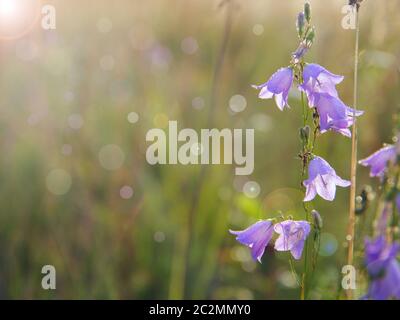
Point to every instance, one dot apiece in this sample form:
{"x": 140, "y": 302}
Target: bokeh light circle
{"x": 329, "y": 245}
{"x": 159, "y": 236}
{"x": 251, "y": 189}
{"x": 133, "y": 117}
{"x": 258, "y": 29}
{"x": 17, "y": 17}
{"x": 237, "y": 103}
{"x": 58, "y": 181}
{"x": 66, "y": 149}
{"x": 189, "y": 45}
{"x": 75, "y": 121}
{"x": 198, "y": 103}
{"x": 111, "y": 157}
{"x": 126, "y": 192}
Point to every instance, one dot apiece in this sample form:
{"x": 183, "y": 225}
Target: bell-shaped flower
{"x": 277, "y": 86}
{"x": 322, "y": 180}
{"x": 316, "y": 79}
{"x": 383, "y": 269}
{"x": 256, "y": 237}
{"x": 378, "y": 161}
{"x": 292, "y": 235}
{"x": 334, "y": 114}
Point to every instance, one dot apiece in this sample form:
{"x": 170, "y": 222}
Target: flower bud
{"x": 300, "y": 24}
{"x": 307, "y": 11}
{"x": 300, "y": 52}
{"x": 310, "y": 36}
{"x": 305, "y": 133}
{"x": 317, "y": 219}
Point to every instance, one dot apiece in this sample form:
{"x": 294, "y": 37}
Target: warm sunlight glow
{"x": 8, "y": 8}
{"x": 18, "y": 17}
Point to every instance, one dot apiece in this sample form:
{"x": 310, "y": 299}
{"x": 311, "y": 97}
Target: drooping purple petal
{"x": 378, "y": 160}
{"x": 322, "y": 180}
{"x": 383, "y": 269}
{"x": 316, "y": 79}
{"x": 256, "y": 237}
{"x": 334, "y": 114}
{"x": 277, "y": 87}
{"x": 292, "y": 235}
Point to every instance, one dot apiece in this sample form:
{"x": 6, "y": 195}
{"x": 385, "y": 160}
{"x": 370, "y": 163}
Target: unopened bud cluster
{"x": 305, "y": 31}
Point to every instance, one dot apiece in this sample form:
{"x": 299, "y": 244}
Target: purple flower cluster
{"x": 292, "y": 235}
{"x": 383, "y": 269}
{"x": 320, "y": 87}
{"x": 380, "y": 254}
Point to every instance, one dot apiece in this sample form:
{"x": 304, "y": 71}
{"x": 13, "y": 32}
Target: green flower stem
{"x": 352, "y": 216}
{"x": 305, "y": 157}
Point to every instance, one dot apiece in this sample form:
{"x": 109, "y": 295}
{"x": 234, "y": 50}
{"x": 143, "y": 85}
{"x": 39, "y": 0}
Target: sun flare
{"x": 8, "y": 8}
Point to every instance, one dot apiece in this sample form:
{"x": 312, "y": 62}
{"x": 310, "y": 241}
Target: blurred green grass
{"x": 104, "y": 246}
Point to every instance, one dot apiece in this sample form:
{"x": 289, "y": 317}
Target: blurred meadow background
{"x": 76, "y": 103}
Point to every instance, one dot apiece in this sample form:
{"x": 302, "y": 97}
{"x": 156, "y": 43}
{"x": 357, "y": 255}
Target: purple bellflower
{"x": 383, "y": 268}
{"x": 334, "y": 114}
{"x": 322, "y": 180}
{"x": 256, "y": 237}
{"x": 316, "y": 79}
{"x": 277, "y": 86}
{"x": 378, "y": 160}
{"x": 292, "y": 235}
